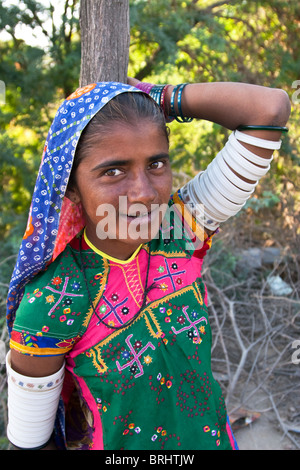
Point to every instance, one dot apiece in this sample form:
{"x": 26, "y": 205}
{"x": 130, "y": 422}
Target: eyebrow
{"x": 121, "y": 162}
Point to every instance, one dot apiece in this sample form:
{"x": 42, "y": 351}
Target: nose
{"x": 141, "y": 189}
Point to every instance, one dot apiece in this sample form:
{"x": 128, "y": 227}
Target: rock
{"x": 278, "y": 286}
{"x": 250, "y": 259}
{"x": 270, "y": 255}
{"x": 255, "y": 258}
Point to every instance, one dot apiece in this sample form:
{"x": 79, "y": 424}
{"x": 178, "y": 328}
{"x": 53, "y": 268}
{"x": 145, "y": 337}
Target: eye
{"x": 113, "y": 172}
{"x": 157, "y": 165}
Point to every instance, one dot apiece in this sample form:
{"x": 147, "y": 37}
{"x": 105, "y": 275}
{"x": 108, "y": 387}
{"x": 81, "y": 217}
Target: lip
{"x": 138, "y": 220}
{"x": 142, "y": 219}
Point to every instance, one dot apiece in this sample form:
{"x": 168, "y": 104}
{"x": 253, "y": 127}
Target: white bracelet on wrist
{"x": 32, "y": 406}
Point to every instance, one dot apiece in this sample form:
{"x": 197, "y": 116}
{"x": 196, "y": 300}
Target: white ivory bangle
{"x": 249, "y": 165}
{"x": 32, "y": 406}
{"x": 222, "y": 185}
{"x": 242, "y": 166}
{"x": 202, "y": 216}
{"x": 223, "y": 192}
{"x": 220, "y": 202}
{"x": 252, "y": 157}
{"x": 235, "y": 180}
{"x": 198, "y": 188}
{"x": 257, "y": 142}
{"x": 211, "y": 206}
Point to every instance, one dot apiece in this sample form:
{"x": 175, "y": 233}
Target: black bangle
{"x": 172, "y": 102}
{"x": 263, "y": 128}
{"x": 180, "y": 117}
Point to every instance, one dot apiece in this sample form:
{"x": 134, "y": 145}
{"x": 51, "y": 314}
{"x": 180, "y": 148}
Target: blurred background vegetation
{"x": 171, "y": 41}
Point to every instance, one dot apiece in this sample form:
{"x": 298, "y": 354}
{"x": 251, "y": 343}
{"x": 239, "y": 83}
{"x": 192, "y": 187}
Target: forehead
{"x": 123, "y": 140}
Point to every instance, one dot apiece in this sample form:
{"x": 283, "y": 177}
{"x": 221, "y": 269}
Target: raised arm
{"x": 234, "y": 104}
{"x": 229, "y": 104}
{"x": 257, "y": 116}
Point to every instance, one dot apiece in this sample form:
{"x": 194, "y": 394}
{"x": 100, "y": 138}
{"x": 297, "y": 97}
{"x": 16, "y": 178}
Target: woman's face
{"x": 122, "y": 184}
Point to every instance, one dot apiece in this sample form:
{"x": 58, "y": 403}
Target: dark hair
{"x": 126, "y": 108}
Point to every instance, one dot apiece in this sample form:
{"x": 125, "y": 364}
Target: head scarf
{"x": 53, "y": 219}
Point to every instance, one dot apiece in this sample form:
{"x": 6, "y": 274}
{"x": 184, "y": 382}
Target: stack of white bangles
{"x": 220, "y": 191}
{"x": 32, "y": 406}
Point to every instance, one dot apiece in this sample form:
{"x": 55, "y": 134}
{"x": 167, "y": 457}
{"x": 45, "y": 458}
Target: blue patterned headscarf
{"x": 53, "y": 220}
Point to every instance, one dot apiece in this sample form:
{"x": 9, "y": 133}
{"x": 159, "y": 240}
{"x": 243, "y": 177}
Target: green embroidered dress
{"x": 148, "y": 385}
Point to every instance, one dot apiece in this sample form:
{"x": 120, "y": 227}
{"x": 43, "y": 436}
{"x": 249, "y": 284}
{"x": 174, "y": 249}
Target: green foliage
{"x": 36, "y": 79}
{"x": 248, "y": 41}
{"x": 222, "y": 263}
{"x": 267, "y": 200}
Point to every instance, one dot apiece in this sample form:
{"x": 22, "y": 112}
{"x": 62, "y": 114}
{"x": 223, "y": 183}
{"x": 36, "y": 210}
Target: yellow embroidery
{"x": 190, "y": 220}
{"x": 149, "y": 315}
{"x": 173, "y": 254}
{"x": 111, "y": 258}
{"x": 98, "y": 363}
{"x": 133, "y": 281}
{"x": 38, "y": 351}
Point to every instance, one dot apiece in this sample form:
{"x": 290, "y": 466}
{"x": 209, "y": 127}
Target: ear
{"x": 73, "y": 195}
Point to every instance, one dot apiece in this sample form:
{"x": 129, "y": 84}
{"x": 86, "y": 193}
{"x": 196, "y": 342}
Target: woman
{"x": 107, "y": 307}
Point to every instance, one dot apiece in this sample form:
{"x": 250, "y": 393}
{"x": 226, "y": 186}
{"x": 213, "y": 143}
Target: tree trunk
{"x": 105, "y": 39}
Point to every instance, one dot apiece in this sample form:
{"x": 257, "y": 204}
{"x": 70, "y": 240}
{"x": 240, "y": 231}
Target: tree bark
{"x": 105, "y": 39}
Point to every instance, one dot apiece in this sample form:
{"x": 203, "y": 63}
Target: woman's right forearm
{"x": 234, "y": 104}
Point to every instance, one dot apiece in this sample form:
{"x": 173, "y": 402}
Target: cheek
{"x": 93, "y": 193}
{"x": 165, "y": 188}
